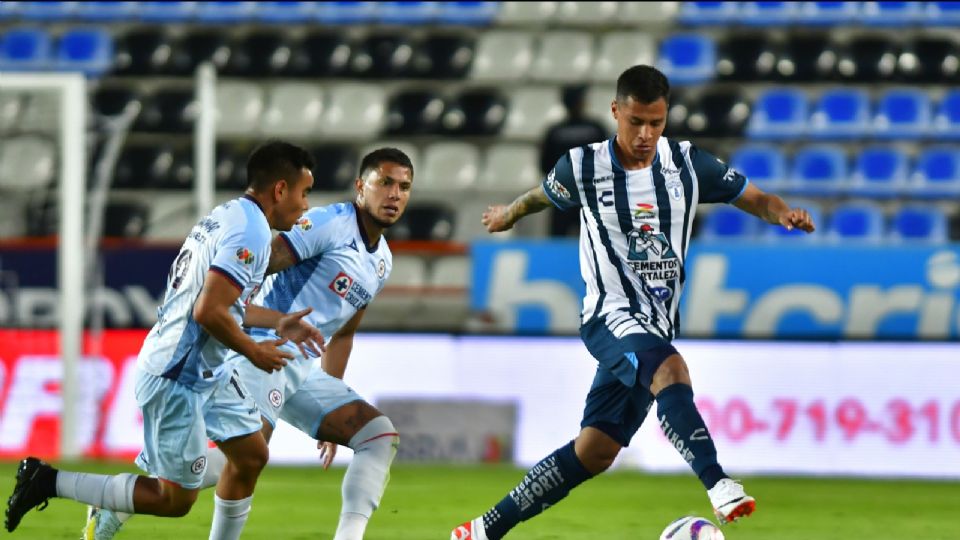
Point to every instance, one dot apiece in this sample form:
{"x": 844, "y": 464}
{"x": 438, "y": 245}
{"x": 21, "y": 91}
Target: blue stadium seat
{"x": 167, "y": 11}
{"x": 346, "y": 12}
{"x": 938, "y": 173}
{"x": 925, "y": 223}
{"x": 467, "y": 13}
{"x": 841, "y": 113}
{"x": 946, "y": 123}
{"x": 705, "y": 13}
{"x": 880, "y": 172}
{"x": 107, "y": 11}
{"x": 726, "y": 222}
{"x": 891, "y": 13}
{"x": 763, "y": 165}
{"x": 287, "y": 12}
{"x": 777, "y": 233}
{"x": 688, "y": 58}
{"x": 779, "y": 113}
{"x": 407, "y": 12}
{"x": 903, "y": 113}
{"x": 942, "y": 14}
{"x": 857, "y": 221}
{"x": 819, "y": 170}
{"x": 45, "y": 11}
{"x": 827, "y": 13}
{"x": 225, "y": 12}
{"x": 89, "y": 50}
{"x": 24, "y": 49}
{"x": 768, "y": 13}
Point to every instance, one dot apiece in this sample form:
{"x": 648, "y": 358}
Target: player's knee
{"x": 178, "y": 503}
{"x": 253, "y": 461}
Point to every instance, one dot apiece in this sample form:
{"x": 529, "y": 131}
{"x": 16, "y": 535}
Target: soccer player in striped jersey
{"x": 184, "y": 388}
{"x": 637, "y": 194}
{"x": 336, "y": 261}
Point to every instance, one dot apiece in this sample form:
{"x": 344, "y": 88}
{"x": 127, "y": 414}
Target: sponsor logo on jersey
{"x": 381, "y": 268}
{"x": 666, "y": 170}
{"x": 245, "y": 256}
{"x": 651, "y": 256}
{"x": 276, "y": 398}
{"x": 556, "y": 187}
{"x": 304, "y": 223}
{"x": 730, "y": 175}
{"x": 341, "y": 284}
{"x": 644, "y": 211}
{"x": 675, "y": 188}
{"x": 601, "y": 179}
{"x": 662, "y": 293}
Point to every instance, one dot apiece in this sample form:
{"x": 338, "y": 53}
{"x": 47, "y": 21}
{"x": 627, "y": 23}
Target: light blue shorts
{"x": 301, "y": 393}
{"x": 177, "y": 423}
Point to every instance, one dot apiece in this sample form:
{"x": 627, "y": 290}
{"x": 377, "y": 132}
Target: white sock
{"x": 374, "y": 447}
{"x": 216, "y": 459}
{"x": 113, "y": 492}
{"x": 229, "y": 518}
{"x": 351, "y": 526}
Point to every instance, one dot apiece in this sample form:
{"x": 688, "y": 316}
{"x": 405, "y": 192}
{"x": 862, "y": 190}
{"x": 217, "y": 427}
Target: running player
{"x": 185, "y": 390}
{"x": 335, "y": 260}
{"x": 632, "y": 263}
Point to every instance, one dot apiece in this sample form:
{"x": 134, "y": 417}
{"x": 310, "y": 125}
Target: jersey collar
{"x": 615, "y": 161}
{"x": 253, "y": 199}
{"x": 363, "y": 231}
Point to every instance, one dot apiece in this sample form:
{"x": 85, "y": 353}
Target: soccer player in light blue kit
{"x": 186, "y": 391}
{"x": 637, "y": 194}
{"x": 335, "y": 261}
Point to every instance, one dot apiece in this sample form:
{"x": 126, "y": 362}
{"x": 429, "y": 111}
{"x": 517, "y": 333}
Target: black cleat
{"x": 28, "y": 493}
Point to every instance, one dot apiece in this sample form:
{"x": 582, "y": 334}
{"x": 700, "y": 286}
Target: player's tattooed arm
{"x": 281, "y": 256}
{"x": 502, "y": 218}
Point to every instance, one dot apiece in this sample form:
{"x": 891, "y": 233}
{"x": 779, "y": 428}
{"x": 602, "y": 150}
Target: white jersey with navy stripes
{"x": 635, "y": 228}
{"x": 336, "y": 273}
{"x": 234, "y": 241}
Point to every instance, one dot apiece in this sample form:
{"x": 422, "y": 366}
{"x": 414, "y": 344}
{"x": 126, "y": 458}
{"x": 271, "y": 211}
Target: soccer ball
{"x": 691, "y": 528}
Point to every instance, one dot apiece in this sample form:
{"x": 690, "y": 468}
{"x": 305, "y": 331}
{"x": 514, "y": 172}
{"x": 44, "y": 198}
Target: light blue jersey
{"x": 336, "y": 275}
{"x": 234, "y": 241}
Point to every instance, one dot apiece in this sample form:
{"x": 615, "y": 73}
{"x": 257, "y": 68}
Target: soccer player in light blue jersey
{"x": 185, "y": 390}
{"x": 335, "y": 261}
{"x": 637, "y": 194}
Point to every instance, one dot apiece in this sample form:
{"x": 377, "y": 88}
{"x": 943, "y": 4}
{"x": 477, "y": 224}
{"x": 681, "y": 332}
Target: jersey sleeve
{"x": 717, "y": 181}
{"x": 315, "y": 232}
{"x": 560, "y": 185}
{"x": 241, "y": 257}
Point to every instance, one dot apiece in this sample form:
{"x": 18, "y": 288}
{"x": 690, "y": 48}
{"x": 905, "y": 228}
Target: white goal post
{"x": 70, "y": 89}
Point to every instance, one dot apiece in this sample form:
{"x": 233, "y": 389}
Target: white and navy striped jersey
{"x": 635, "y": 228}
{"x": 336, "y": 273}
{"x": 234, "y": 241}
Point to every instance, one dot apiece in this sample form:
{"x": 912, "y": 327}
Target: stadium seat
{"x": 239, "y": 106}
{"x": 424, "y": 222}
{"x": 891, "y": 13}
{"x": 286, "y": 12}
{"x": 466, "y": 13}
{"x": 922, "y": 223}
{"x": 25, "y": 49}
{"x": 778, "y": 234}
{"x": 225, "y": 12}
{"x": 718, "y": 113}
{"x": 146, "y": 51}
{"x": 415, "y": 112}
{"x": 819, "y": 170}
{"x": 857, "y": 221}
{"x": 509, "y": 166}
{"x": 903, "y": 113}
{"x": 26, "y": 163}
{"x": 170, "y": 110}
{"x": 112, "y": 101}
{"x": 620, "y": 49}
{"x": 763, "y": 165}
{"x": 598, "y": 99}
{"x": 443, "y": 57}
{"x": 941, "y": 14}
{"x": 880, "y": 172}
{"x": 746, "y": 57}
{"x": 531, "y": 110}
{"x": 406, "y": 13}
{"x": 125, "y": 219}
{"x": 382, "y": 56}
{"x": 40, "y": 113}
{"x": 449, "y": 166}
{"x": 688, "y": 58}
{"x": 88, "y": 50}
{"x": 261, "y": 54}
{"x": 929, "y": 59}
{"x": 293, "y": 110}
{"x": 867, "y": 59}
{"x": 526, "y": 13}
{"x": 354, "y": 110}
{"x": 475, "y": 112}
{"x": 779, "y": 113}
{"x": 503, "y": 55}
{"x": 648, "y": 14}
{"x": 708, "y": 13}
{"x": 768, "y": 13}
{"x": 11, "y": 109}
{"x": 586, "y": 13}
{"x": 202, "y": 45}
{"x": 946, "y": 123}
{"x": 841, "y": 113}
{"x": 321, "y": 54}
{"x": 807, "y": 57}
{"x": 827, "y": 13}
{"x": 337, "y": 13}
{"x": 337, "y": 167}
{"x": 147, "y": 166}
{"x": 230, "y": 168}
{"x": 725, "y": 222}
{"x": 166, "y": 12}
{"x": 563, "y": 57}
{"x": 937, "y": 174}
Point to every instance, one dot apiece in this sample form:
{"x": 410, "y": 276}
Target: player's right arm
{"x": 281, "y": 256}
{"x": 556, "y": 189}
{"x": 334, "y": 361}
{"x": 212, "y": 312}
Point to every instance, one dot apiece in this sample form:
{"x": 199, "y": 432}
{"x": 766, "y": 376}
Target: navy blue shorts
{"x": 620, "y": 397}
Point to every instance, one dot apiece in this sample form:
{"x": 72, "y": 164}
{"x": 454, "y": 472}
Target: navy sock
{"x": 686, "y": 431}
{"x": 542, "y": 487}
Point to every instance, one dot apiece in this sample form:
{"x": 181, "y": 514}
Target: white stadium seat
{"x": 26, "y": 163}
{"x": 587, "y": 13}
{"x": 564, "y": 57}
{"x": 239, "y": 105}
{"x": 621, "y": 50}
{"x": 449, "y": 166}
{"x": 354, "y": 110}
{"x": 510, "y": 166}
{"x": 293, "y": 110}
{"x": 531, "y": 111}
{"x": 526, "y": 13}
{"x": 502, "y": 55}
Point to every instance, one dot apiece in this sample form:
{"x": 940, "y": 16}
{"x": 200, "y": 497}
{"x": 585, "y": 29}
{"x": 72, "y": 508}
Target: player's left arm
{"x": 335, "y": 359}
{"x": 773, "y": 209}
{"x": 288, "y": 325}
{"x": 281, "y": 256}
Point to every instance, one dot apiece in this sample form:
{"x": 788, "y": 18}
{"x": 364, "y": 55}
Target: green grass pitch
{"x": 425, "y": 502}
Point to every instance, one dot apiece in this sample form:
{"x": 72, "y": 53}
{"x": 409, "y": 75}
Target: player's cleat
{"x": 28, "y": 493}
{"x": 471, "y": 530}
{"x": 730, "y": 502}
{"x": 101, "y": 524}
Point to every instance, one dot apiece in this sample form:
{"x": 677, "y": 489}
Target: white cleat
{"x": 471, "y": 530}
{"x": 730, "y": 502}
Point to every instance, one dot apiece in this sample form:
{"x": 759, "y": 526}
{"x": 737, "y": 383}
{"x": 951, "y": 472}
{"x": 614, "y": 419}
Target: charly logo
{"x": 245, "y": 256}
{"x": 276, "y": 398}
{"x": 198, "y": 465}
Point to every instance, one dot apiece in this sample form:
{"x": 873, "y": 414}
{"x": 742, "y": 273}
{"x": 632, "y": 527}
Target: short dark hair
{"x": 382, "y": 155}
{"x": 275, "y": 160}
{"x": 645, "y": 84}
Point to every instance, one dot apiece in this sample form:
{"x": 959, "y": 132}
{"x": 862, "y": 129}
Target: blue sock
{"x": 543, "y": 486}
{"x": 685, "y": 429}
